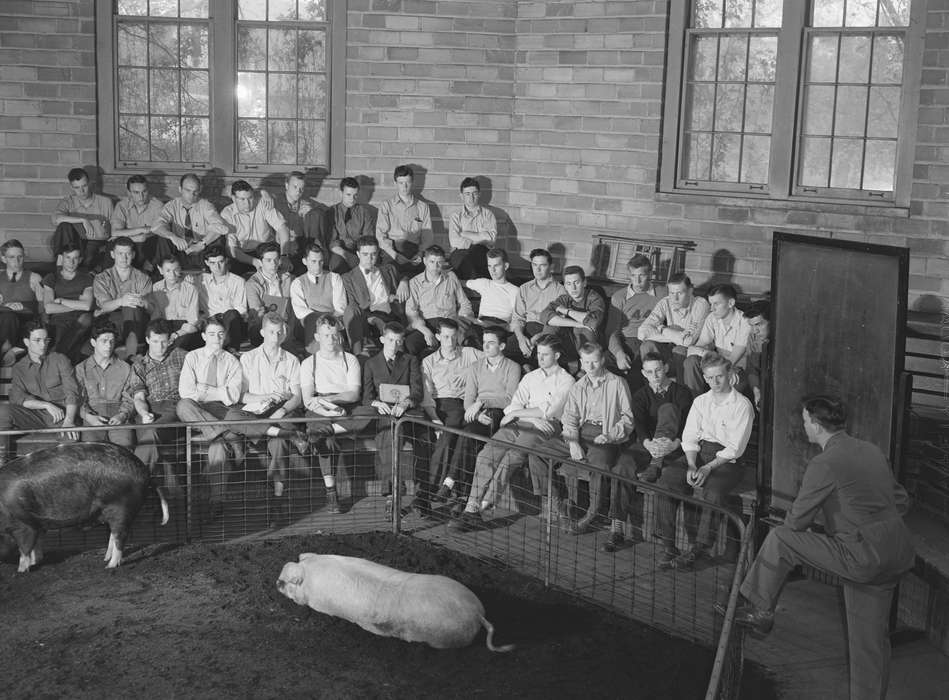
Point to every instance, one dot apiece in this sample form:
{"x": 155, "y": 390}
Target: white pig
{"x": 436, "y": 610}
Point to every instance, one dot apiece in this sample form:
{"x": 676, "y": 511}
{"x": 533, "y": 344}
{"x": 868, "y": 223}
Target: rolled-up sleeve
{"x": 596, "y": 311}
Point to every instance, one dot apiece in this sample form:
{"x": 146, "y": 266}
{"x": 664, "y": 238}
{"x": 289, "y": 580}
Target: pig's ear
{"x": 306, "y": 555}
{"x": 293, "y": 573}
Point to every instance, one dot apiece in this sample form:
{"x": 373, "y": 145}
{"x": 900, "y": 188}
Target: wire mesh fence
{"x": 532, "y": 506}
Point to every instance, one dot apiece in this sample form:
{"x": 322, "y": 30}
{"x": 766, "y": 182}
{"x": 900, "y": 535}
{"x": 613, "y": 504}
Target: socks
{"x": 449, "y": 482}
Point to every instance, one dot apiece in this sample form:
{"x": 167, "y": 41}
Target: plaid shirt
{"x": 160, "y": 377}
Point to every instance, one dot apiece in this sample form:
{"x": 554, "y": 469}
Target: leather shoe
{"x": 467, "y": 522}
{"x": 585, "y": 524}
{"x": 613, "y": 542}
{"x": 747, "y": 615}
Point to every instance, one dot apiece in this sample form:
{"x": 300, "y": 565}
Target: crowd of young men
{"x": 355, "y": 320}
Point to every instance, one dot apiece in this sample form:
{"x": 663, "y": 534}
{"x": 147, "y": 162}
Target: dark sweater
{"x": 646, "y": 405}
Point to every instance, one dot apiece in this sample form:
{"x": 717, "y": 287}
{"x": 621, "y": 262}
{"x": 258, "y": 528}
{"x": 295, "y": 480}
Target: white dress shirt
{"x": 727, "y": 423}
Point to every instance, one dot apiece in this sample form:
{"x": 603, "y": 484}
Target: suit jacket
{"x": 334, "y": 230}
{"x": 357, "y": 293}
{"x": 851, "y": 486}
{"x": 405, "y": 370}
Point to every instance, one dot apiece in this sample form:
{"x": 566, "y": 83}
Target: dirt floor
{"x": 206, "y": 621}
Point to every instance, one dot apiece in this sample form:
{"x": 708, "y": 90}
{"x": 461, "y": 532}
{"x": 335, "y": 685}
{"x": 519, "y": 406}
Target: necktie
{"x": 390, "y": 364}
{"x": 348, "y": 215}
{"x": 211, "y": 379}
{"x": 188, "y": 232}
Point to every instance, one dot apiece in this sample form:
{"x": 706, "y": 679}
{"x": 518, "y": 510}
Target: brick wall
{"x": 557, "y": 105}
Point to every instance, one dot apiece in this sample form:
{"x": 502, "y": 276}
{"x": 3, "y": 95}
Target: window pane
{"x": 731, "y": 58}
{"x": 194, "y": 8}
{"x": 132, "y": 7}
{"x": 283, "y": 141}
{"x": 282, "y": 95}
{"x": 854, "y": 59}
{"x": 762, "y": 58}
{"x": 163, "y": 92}
{"x": 195, "y": 139}
{"x": 704, "y": 58}
{"x": 819, "y": 110}
{"x": 861, "y": 13}
{"x": 894, "y": 13}
{"x": 708, "y": 14}
{"x": 726, "y": 151}
{"x": 312, "y": 51}
{"x": 815, "y": 164}
{"x": 768, "y": 13}
{"x": 251, "y": 9}
{"x": 755, "y": 159}
{"x": 282, "y": 50}
{"x": 313, "y": 10}
{"x": 738, "y": 13}
{"x": 281, "y": 9}
{"x": 132, "y": 42}
{"x": 702, "y": 107}
{"x": 846, "y": 164}
{"x": 251, "y": 141}
{"x": 133, "y": 138}
{"x": 163, "y": 45}
{"x": 884, "y": 116}
{"x": 133, "y": 90}
{"x": 822, "y": 59}
{"x": 698, "y": 152}
{"x": 828, "y": 13}
{"x": 758, "y": 108}
{"x": 312, "y": 96}
{"x": 163, "y": 8}
{"x": 729, "y": 107}
{"x": 251, "y": 94}
{"x": 251, "y": 48}
{"x": 194, "y": 46}
{"x": 165, "y": 139}
{"x": 312, "y": 140}
{"x": 887, "y": 60}
{"x": 195, "y": 96}
{"x": 880, "y": 166}
{"x": 851, "y": 111}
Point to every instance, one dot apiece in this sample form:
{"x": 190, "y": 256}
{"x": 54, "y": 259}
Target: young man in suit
{"x": 371, "y": 295}
{"x": 393, "y": 366}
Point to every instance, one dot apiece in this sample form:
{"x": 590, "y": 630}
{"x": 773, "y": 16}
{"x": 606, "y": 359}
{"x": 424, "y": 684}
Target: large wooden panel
{"x": 839, "y": 317}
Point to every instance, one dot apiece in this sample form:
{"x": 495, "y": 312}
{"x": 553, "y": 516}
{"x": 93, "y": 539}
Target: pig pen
{"x": 206, "y": 621}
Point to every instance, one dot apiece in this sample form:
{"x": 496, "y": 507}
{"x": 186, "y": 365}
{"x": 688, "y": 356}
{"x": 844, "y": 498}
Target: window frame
{"x": 222, "y": 48}
{"x": 786, "y": 134}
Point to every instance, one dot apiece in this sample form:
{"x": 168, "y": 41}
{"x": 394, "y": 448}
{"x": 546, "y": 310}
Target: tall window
{"x": 238, "y": 85}
{"x": 792, "y": 99}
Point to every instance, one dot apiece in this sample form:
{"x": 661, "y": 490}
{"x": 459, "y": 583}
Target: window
{"x": 236, "y": 85}
{"x": 791, "y": 99}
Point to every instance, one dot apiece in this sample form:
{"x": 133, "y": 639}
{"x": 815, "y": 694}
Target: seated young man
{"x": 176, "y": 300}
{"x": 498, "y": 296}
{"x": 404, "y": 224}
{"x": 43, "y": 388}
{"x": 372, "y": 298}
{"x": 107, "y": 386}
{"x": 758, "y": 316}
{"x": 316, "y": 292}
{"x": 393, "y": 367}
{"x": 331, "y": 383}
{"x": 68, "y": 300}
{"x": 270, "y": 388}
{"x": 210, "y": 383}
{"x": 267, "y": 291}
{"x": 472, "y": 229}
{"x": 674, "y": 323}
{"x": 629, "y": 307}
{"x": 659, "y": 412}
{"x": 444, "y": 373}
{"x": 576, "y": 317}
{"x": 597, "y": 419}
{"x": 726, "y": 331}
{"x": 221, "y": 294}
{"x": 82, "y": 218}
{"x": 137, "y": 217}
{"x": 121, "y": 293}
{"x": 530, "y": 420}
{"x": 716, "y": 434}
{"x": 490, "y": 384}
{"x": 252, "y": 220}
{"x": 156, "y": 397}
{"x": 189, "y": 224}
{"x": 20, "y": 292}
{"x": 533, "y": 298}
{"x": 343, "y": 225}
{"x": 434, "y": 294}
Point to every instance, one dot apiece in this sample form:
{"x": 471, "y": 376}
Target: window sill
{"x": 811, "y": 205}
